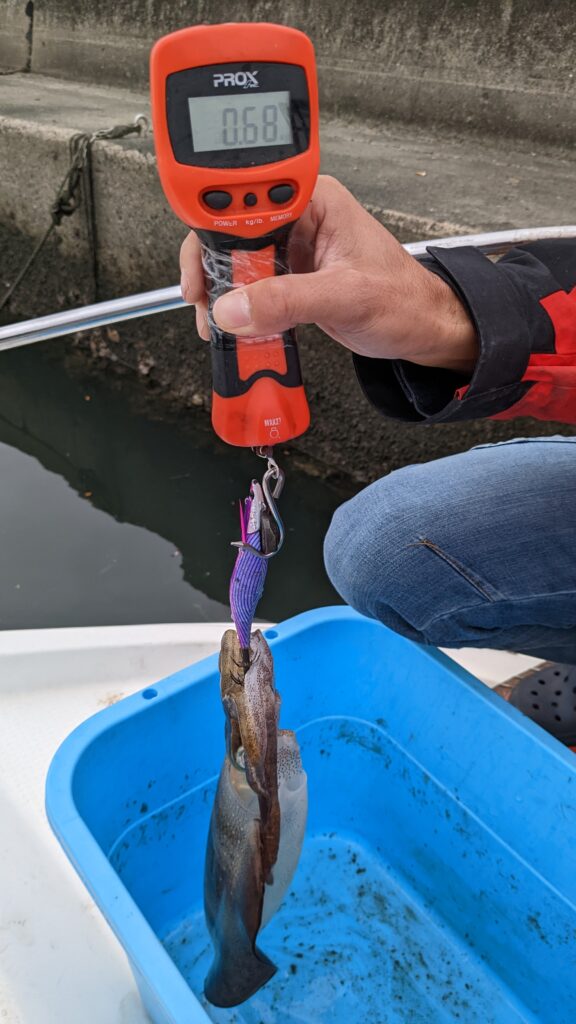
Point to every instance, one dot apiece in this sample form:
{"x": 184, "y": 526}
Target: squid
{"x": 257, "y": 824}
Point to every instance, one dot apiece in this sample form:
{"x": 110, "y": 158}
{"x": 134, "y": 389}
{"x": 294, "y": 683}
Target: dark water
{"x": 107, "y": 516}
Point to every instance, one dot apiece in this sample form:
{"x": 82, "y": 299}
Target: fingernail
{"x": 233, "y": 310}
{"x": 185, "y": 287}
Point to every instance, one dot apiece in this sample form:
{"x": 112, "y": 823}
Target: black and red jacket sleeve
{"x": 524, "y": 310}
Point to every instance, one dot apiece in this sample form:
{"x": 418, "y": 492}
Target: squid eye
{"x": 239, "y": 759}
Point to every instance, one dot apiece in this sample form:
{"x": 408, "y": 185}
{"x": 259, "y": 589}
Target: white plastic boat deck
{"x": 59, "y": 961}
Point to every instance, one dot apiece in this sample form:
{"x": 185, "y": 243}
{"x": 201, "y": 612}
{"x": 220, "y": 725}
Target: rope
{"x": 68, "y": 196}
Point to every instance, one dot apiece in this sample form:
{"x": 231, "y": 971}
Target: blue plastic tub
{"x": 438, "y": 879}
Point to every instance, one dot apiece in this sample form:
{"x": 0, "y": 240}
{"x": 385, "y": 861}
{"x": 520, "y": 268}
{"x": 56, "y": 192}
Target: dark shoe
{"x": 547, "y": 695}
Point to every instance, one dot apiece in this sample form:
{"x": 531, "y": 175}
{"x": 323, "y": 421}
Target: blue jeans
{"x": 474, "y": 550}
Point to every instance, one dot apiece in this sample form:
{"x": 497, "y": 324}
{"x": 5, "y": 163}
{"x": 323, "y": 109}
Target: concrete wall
{"x": 16, "y": 33}
{"x": 504, "y": 66}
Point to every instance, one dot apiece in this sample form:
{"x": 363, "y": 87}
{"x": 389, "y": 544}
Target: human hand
{"x": 353, "y": 279}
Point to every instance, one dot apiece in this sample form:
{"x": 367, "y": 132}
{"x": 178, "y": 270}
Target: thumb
{"x": 275, "y": 304}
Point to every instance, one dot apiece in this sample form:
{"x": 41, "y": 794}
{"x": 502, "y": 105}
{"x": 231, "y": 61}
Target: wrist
{"x": 452, "y": 341}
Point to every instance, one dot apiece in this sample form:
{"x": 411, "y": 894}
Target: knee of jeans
{"x": 342, "y": 540}
{"x": 354, "y": 539}
{"x": 378, "y": 560}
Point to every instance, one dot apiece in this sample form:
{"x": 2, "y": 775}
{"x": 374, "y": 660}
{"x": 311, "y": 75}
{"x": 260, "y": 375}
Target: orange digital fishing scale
{"x": 235, "y": 113}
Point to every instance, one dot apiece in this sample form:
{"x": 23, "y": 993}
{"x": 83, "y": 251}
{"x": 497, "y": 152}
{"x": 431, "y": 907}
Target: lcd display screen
{"x": 240, "y": 121}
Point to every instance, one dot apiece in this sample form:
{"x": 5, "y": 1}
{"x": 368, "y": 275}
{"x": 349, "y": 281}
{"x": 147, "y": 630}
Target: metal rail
{"x": 493, "y": 243}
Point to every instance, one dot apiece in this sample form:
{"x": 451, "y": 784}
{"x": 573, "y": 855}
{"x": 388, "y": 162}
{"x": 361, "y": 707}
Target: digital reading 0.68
{"x": 240, "y": 121}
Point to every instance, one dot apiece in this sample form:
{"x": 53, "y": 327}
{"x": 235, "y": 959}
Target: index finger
{"x": 192, "y": 280}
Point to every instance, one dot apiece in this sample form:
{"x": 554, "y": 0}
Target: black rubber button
{"x": 250, "y": 199}
{"x": 281, "y": 193}
{"x": 217, "y": 200}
